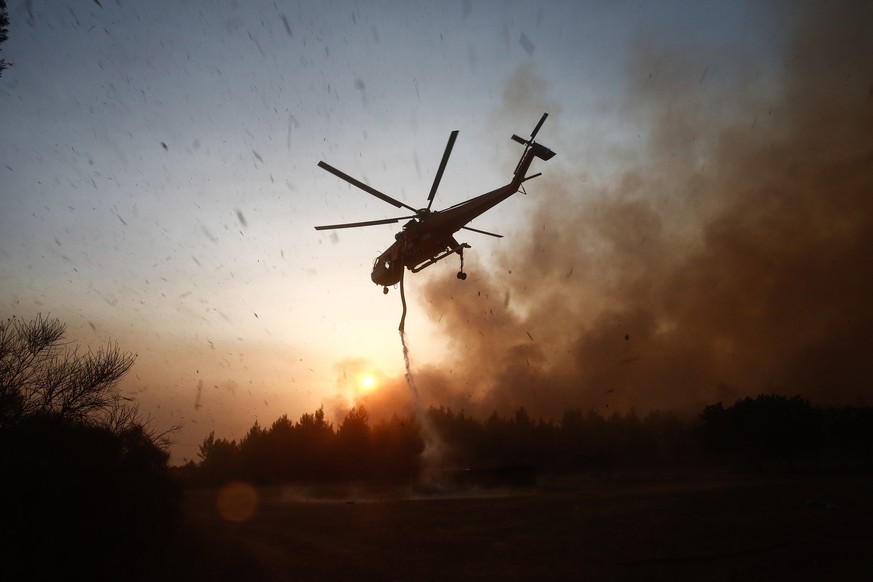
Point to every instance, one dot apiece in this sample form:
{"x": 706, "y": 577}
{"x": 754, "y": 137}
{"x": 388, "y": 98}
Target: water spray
{"x": 410, "y": 381}
{"x": 432, "y": 442}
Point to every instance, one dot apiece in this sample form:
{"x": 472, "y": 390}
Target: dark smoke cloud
{"x": 733, "y": 257}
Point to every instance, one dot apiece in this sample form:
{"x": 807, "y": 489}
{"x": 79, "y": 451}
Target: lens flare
{"x": 237, "y": 501}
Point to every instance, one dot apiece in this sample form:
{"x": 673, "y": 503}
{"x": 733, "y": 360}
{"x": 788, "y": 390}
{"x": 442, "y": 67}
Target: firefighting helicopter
{"x": 429, "y": 236}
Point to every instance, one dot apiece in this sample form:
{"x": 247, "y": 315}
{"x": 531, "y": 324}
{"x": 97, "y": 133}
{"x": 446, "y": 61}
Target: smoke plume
{"x": 731, "y": 255}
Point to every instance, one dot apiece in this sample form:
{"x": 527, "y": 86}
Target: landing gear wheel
{"x": 384, "y": 290}
{"x": 462, "y": 276}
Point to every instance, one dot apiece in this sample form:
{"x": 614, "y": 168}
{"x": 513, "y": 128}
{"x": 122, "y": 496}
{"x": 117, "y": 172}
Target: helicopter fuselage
{"x": 425, "y": 238}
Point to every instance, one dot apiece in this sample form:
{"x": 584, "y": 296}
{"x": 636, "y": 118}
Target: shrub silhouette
{"x": 87, "y": 485}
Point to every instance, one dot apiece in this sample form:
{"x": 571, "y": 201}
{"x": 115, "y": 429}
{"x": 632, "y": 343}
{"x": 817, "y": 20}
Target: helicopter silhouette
{"x": 429, "y": 236}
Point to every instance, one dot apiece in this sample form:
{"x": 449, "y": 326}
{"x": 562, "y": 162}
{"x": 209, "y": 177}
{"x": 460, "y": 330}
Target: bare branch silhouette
{"x": 41, "y": 374}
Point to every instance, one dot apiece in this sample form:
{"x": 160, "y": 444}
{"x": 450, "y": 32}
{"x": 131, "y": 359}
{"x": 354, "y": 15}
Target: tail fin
{"x": 531, "y": 149}
{"x": 541, "y": 151}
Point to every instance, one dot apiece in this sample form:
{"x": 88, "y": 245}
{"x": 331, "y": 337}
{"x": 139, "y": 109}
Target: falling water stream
{"x": 432, "y": 442}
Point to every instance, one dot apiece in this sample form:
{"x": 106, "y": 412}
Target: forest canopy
{"x": 768, "y": 432}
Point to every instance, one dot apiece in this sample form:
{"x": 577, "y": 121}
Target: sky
{"x": 703, "y": 233}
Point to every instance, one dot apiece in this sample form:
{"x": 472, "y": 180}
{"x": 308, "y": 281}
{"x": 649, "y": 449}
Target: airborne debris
{"x": 286, "y": 25}
{"x": 526, "y": 44}
{"x": 292, "y": 121}
{"x": 208, "y": 234}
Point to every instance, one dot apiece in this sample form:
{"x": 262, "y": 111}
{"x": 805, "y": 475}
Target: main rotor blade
{"x": 539, "y": 125}
{"x": 364, "y": 187}
{"x": 366, "y": 223}
{"x": 439, "y": 174}
{"x": 482, "y": 232}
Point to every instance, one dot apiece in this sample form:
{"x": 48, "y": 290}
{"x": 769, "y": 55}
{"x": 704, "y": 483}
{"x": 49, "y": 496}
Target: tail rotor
{"x": 543, "y": 152}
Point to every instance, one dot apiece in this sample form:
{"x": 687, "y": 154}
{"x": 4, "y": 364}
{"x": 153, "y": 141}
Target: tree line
{"x": 768, "y": 432}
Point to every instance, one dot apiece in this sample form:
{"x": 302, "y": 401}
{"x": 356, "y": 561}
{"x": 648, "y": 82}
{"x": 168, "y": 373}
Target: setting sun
{"x": 368, "y": 382}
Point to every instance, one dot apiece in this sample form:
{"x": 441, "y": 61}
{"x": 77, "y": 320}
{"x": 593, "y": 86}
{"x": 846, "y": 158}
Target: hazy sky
{"x": 159, "y": 185}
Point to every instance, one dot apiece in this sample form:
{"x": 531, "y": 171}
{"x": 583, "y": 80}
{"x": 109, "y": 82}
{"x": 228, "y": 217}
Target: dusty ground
{"x": 791, "y": 528}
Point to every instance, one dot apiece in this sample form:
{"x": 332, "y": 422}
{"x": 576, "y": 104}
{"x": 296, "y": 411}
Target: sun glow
{"x": 367, "y": 382}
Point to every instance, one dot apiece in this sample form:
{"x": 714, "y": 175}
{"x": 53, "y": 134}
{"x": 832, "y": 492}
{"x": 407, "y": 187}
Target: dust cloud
{"x": 730, "y": 254}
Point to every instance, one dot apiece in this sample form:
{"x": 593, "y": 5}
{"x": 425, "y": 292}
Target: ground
{"x": 597, "y": 528}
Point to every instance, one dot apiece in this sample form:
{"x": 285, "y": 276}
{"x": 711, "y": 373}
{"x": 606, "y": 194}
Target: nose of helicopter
{"x": 385, "y": 272}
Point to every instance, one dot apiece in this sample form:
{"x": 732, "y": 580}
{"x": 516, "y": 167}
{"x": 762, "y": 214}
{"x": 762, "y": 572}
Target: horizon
{"x": 702, "y": 234}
